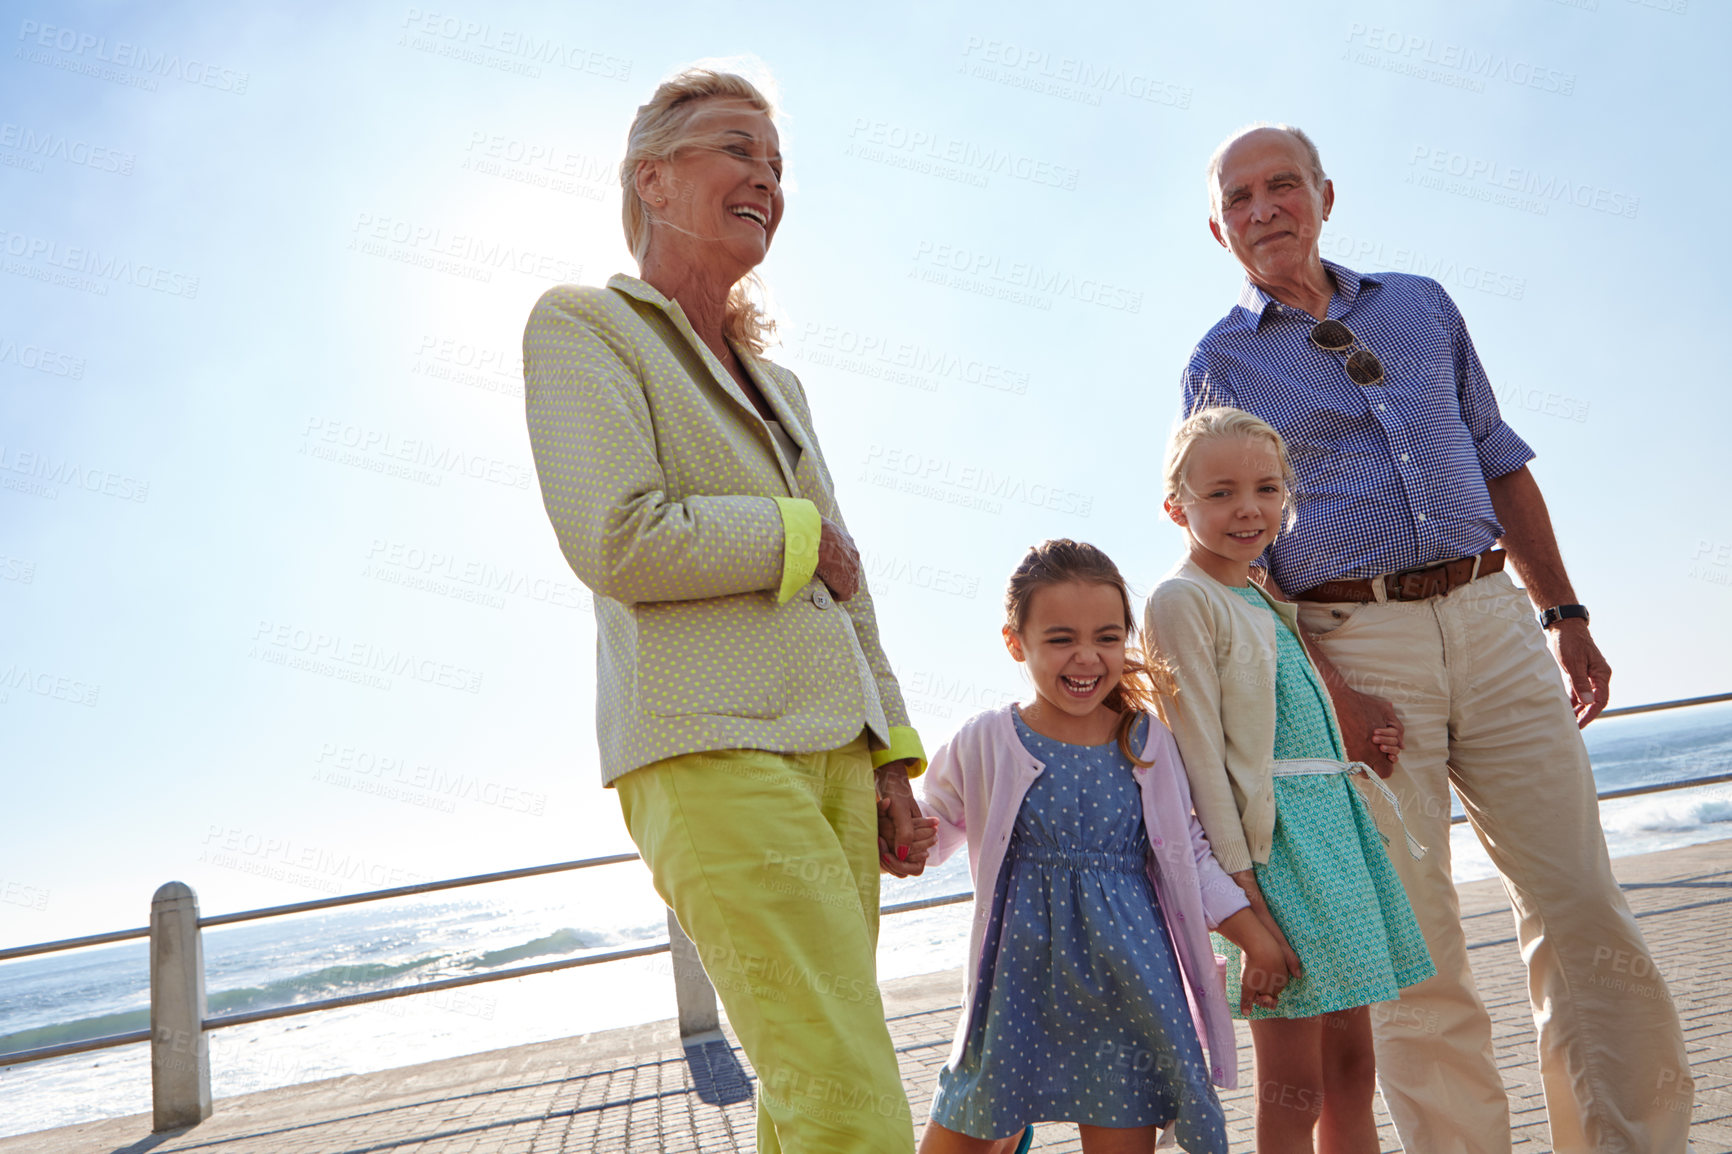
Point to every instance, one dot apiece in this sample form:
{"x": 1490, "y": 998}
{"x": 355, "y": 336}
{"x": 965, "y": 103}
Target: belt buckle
{"x": 1423, "y": 583}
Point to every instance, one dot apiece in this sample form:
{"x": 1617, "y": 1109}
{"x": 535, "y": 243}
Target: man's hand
{"x": 1586, "y": 672}
{"x": 1370, "y": 727}
{"x": 904, "y": 836}
{"x": 838, "y": 562}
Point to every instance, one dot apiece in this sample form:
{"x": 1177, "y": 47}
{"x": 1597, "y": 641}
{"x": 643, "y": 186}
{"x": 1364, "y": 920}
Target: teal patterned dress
{"x": 1328, "y": 882}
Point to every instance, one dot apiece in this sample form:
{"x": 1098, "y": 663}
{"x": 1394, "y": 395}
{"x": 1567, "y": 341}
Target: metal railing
{"x": 180, "y": 1062}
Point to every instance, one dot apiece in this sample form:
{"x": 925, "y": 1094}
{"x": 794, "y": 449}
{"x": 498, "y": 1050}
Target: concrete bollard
{"x": 179, "y": 1049}
{"x": 692, "y": 989}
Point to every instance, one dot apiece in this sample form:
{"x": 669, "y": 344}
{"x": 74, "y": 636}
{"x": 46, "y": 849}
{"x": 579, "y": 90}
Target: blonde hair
{"x": 1058, "y": 560}
{"x": 658, "y": 132}
{"x": 1219, "y": 423}
{"x": 1212, "y": 174}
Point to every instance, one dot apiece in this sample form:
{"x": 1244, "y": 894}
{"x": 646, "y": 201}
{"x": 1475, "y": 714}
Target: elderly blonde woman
{"x": 745, "y": 705}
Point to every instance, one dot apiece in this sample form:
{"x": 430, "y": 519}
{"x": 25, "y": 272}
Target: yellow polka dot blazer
{"x": 673, "y": 505}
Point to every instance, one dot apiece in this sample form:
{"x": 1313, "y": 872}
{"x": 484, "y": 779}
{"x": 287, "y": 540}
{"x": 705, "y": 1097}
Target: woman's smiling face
{"x": 718, "y": 199}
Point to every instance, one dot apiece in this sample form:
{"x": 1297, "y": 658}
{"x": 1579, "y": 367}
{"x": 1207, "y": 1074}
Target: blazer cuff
{"x": 801, "y": 528}
{"x": 904, "y": 744}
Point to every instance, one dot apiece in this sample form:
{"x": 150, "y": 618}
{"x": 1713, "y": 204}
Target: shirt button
{"x": 1404, "y": 458}
{"x": 1159, "y": 841}
{"x": 1381, "y": 407}
{"x": 1421, "y": 516}
{"x": 821, "y": 599}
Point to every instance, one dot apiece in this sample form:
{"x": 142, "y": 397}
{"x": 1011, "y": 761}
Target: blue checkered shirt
{"x": 1390, "y": 476}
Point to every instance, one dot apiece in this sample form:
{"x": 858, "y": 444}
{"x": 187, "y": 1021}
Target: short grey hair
{"x": 1213, "y": 173}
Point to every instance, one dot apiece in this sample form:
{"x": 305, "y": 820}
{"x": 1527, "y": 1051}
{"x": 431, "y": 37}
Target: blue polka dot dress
{"x": 1080, "y": 1013}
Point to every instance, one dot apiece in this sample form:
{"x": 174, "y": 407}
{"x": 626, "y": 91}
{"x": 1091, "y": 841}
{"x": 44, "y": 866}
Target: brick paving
{"x": 633, "y": 1090}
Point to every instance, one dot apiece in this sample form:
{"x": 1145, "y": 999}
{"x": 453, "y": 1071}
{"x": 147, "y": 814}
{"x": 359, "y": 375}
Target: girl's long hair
{"x": 1146, "y": 680}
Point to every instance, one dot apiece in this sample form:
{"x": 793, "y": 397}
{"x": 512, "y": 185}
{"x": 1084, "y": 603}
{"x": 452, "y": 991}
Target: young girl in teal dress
{"x": 1094, "y": 892}
{"x": 1265, "y": 758}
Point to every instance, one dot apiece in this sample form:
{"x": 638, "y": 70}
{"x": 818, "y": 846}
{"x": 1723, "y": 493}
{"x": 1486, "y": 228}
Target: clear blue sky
{"x": 263, "y": 290}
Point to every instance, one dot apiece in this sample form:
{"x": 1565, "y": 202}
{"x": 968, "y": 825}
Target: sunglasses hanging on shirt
{"x": 1363, "y": 367}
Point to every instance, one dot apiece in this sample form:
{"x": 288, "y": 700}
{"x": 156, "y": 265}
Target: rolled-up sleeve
{"x": 605, "y": 493}
{"x": 1500, "y": 449}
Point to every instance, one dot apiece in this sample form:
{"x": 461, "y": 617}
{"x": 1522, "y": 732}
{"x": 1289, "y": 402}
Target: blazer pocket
{"x": 720, "y": 657}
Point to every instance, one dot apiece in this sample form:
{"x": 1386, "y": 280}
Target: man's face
{"x": 1272, "y": 211}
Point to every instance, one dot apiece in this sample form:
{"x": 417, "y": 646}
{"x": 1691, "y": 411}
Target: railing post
{"x": 692, "y": 989}
{"x": 179, "y": 1049}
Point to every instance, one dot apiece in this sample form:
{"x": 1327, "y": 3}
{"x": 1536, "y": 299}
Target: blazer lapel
{"x": 771, "y": 389}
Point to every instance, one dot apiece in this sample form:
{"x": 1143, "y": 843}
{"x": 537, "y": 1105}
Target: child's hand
{"x": 920, "y": 844}
{"x": 1262, "y": 976}
{"x": 1247, "y": 880}
{"x": 1265, "y": 971}
{"x": 1388, "y": 739}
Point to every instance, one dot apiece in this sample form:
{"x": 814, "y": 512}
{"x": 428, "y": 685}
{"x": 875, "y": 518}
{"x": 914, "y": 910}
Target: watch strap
{"x": 1557, "y": 613}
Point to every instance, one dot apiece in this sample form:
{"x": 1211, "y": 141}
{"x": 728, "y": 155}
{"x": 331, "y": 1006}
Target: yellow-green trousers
{"x": 770, "y": 862}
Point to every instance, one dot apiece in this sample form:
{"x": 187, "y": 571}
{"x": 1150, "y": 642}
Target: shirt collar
{"x": 642, "y": 290}
{"x": 1347, "y": 287}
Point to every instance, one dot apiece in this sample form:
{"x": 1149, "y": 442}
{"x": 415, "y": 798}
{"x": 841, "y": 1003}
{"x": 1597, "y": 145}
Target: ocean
{"x": 279, "y": 961}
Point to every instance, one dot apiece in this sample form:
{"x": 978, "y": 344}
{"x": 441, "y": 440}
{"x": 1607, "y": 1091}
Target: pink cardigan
{"x": 975, "y": 786}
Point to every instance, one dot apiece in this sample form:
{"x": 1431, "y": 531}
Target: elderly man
{"x": 1413, "y": 495}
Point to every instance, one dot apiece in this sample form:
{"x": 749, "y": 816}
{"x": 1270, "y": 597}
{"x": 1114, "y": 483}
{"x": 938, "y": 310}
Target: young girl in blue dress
{"x": 1265, "y": 758}
{"x": 1094, "y": 890}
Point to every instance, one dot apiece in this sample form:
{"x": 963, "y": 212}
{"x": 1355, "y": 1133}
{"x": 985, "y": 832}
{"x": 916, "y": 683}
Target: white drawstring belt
{"x": 1294, "y": 766}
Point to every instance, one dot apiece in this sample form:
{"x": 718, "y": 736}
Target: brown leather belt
{"x": 1409, "y": 584}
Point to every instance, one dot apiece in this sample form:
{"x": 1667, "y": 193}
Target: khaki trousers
{"x": 1485, "y": 710}
{"x": 770, "y": 862}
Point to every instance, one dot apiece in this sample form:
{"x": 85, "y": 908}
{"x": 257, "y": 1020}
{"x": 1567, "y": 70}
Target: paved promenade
{"x": 634, "y": 1090}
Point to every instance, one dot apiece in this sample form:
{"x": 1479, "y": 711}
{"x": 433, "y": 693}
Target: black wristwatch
{"x": 1557, "y": 613}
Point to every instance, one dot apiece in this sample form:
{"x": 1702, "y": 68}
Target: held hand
{"x": 1263, "y": 974}
{"x": 1371, "y": 728}
{"x": 1586, "y": 672}
{"x": 904, "y": 836}
{"x": 838, "y": 561}
{"x": 1247, "y": 880}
